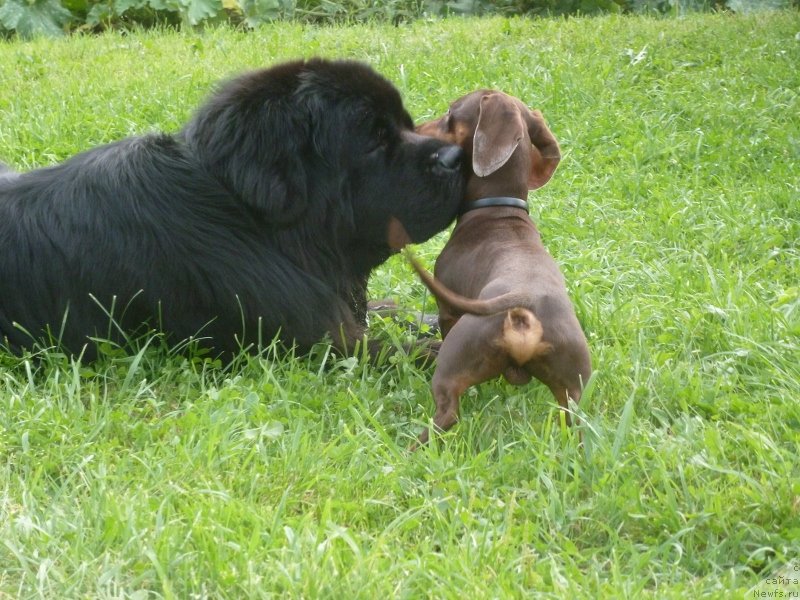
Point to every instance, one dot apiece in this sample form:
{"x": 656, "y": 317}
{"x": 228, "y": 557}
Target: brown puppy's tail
{"x": 522, "y": 337}
{"x": 471, "y": 306}
{"x": 522, "y": 331}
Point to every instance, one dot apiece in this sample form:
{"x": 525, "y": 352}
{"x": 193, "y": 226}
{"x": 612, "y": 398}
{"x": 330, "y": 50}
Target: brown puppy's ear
{"x": 545, "y": 154}
{"x": 498, "y": 133}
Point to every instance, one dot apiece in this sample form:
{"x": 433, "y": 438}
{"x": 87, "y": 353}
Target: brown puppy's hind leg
{"x": 469, "y": 356}
{"x": 565, "y": 380}
{"x": 563, "y": 395}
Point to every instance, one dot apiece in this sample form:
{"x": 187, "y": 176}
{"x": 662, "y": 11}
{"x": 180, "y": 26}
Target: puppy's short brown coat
{"x": 503, "y": 304}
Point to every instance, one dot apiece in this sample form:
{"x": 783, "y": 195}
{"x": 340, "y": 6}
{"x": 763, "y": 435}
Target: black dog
{"x": 263, "y": 216}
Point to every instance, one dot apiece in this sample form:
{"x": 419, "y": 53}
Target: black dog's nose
{"x": 449, "y": 157}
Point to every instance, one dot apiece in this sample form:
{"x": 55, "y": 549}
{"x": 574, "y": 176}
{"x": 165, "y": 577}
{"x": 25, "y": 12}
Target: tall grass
{"x": 675, "y": 217}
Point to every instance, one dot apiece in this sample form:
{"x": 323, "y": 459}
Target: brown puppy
{"x": 503, "y": 305}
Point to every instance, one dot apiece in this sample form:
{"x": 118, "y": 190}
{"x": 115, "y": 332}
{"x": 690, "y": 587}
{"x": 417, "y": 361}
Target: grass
{"x": 675, "y": 215}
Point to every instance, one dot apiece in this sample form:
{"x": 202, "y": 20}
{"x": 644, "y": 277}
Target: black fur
{"x": 265, "y": 214}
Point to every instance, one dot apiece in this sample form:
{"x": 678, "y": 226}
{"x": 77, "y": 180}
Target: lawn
{"x": 675, "y": 215}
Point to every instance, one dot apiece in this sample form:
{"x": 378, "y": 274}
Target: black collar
{"x": 495, "y": 201}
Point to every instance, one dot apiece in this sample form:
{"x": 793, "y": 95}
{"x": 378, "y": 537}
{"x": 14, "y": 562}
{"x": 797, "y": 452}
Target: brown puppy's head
{"x": 511, "y": 148}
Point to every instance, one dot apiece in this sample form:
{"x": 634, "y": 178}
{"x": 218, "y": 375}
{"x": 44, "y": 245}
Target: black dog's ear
{"x": 499, "y": 131}
{"x": 255, "y": 140}
{"x": 271, "y": 177}
{"x": 266, "y": 169}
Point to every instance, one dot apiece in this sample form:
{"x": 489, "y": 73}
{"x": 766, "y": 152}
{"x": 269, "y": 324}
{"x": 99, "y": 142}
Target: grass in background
{"x": 675, "y": 215}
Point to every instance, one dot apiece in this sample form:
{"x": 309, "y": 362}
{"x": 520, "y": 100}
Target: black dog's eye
{"x": 381, "y": 136}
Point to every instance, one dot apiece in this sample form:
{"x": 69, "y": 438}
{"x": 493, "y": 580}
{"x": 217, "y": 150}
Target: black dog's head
{"x": 323, "y": 144}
